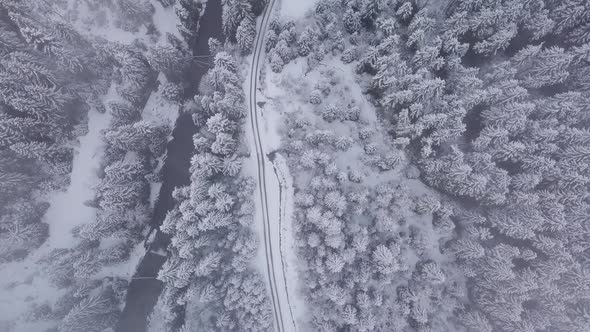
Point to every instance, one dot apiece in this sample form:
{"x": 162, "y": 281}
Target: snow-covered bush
{"x": 171, "y": 91}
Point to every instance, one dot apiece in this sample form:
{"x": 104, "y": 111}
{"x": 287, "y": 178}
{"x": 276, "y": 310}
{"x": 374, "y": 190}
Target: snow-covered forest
{"x": 90, "y": 92}
{"x": 350, "y": 165}
{"x": 464, "y": 205}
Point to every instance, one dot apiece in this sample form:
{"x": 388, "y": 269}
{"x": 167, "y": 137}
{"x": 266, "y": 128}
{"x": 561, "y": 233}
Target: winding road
{"x": 275, "y": 266}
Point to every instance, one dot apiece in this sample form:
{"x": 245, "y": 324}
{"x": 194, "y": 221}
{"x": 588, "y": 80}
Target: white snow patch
{"x": 165, "y": 21}
{"x": 157, "y": 318}
{"x": 67, "y": 209}
{"x": 96, "y": 23}
{"x": 34, "y": 326}
{"x": 158, "y": 110}
{"x": 23, "y": 282}
{"x": 154, "y": 193}
{"x": 125, "y": 269}
{"x": 294, "y": 9}
{"x": 288, "y": 247}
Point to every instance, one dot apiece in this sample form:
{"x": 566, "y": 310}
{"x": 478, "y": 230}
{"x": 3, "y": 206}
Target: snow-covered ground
{"x": 97, "y": 23}
{"x": 158, "y": 110}
{"x": 293, "y": 9}
{"x": 102, "y": 22}
{"x": 280, "y": 186}
{"x": 250, "y": 168}
{"x": 165, "y": 20}
{"x": 278, "y": 199}
{"x": 288, "y": 246}
{"x": 67, "y": 209}
{"x": 23, "y": 283}
{"x": 125, "y": 269}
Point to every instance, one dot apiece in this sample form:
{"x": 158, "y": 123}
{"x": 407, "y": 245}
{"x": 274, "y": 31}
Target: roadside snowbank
{"x": 288, "y": 247}
{"x": 279, "y": 193}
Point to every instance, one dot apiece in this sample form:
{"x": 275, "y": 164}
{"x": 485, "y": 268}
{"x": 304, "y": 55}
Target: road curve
{"x": 281, "y": 324}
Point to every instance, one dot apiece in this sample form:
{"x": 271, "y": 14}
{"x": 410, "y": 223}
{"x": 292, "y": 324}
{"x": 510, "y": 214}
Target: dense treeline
{"x": 239, "y": 21}
{"x": 133, "y": 147}
{"x": 210, "y": 283}
{"x": 50, "y": 78}
{"x": 372, "y": 261}
{"x": 490, "y": 99}
{"x": 367, "y": 231}
{"x": 209, "y": 270}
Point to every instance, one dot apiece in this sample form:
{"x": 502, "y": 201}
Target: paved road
{"x": 282, "y": 311}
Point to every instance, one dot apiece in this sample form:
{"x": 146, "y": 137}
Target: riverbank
{"x": 144, "y": 289}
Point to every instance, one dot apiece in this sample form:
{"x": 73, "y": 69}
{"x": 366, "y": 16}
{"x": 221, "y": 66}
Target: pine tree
{"x": 134, "y": 12}
{"x": 276, "y": 62}
{"x": 86, "y": 265}
{"x": 352, "y": 21}
{"x": 334, "y": 263}
{"x": 245, "y": 34}
{"x": 224, "y": 144}
{"x": 219, "y": 123}
{"x": 137, "y": 137}
{"x": 188, "y": 13}
{"x": 385, "y": 260}
{"x": 207, "y": 264}
{"x": 468, "y": 249}
{"x": 94, "y": 313}
{"x": 306, "y": 41}
{"x": 405, "y": 11}
{"x": 12, "y": 181}
{"x": 171, "y": 91}
{"x": 123, "y": 113}
{"x": 166, "y": 59}
{"x": 234, "y": 11}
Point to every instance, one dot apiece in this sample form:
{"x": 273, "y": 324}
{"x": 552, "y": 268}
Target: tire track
{"x": 254, "y": 70}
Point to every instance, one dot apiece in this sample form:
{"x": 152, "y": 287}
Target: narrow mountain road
{"x": 269, "y": 189}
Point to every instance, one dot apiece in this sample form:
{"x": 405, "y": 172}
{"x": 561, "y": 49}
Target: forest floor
{"x": 24, "y": 282}
{"x": 296, "y": 9}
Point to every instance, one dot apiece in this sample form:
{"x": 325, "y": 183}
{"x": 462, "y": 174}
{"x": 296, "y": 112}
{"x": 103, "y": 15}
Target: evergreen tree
{"x": 245, "y": 34}
{"x": 166, "y": 59}
{"x": 93, "y": 313}
{"x": 188, "y": 12}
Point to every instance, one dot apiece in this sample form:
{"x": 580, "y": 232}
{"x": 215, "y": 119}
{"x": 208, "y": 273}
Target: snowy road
{"x": 271, "y": 192}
